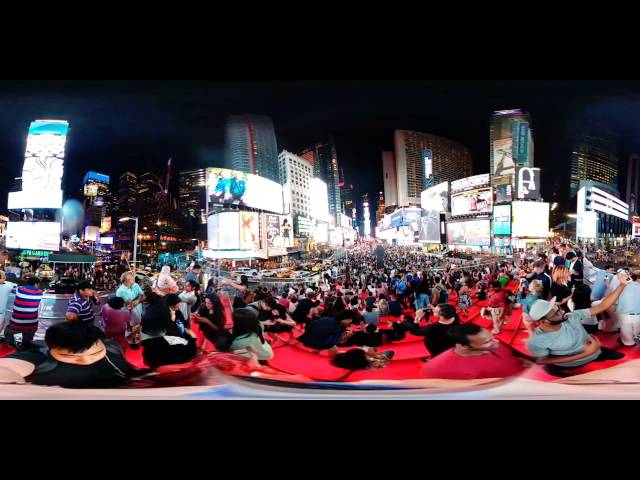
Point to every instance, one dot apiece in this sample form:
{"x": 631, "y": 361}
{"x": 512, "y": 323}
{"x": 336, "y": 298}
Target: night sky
{"x": 118, "y": 125}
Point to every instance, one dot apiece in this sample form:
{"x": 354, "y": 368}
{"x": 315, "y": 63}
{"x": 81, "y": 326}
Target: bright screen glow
{"x": 636, "y": 229}
{"x": 430, "y": 227}
{"x": 502, "y": 220}
{"x": 33, "y": 235}
{"x": 471, "y": 233}
{"x": 587, "y": 225}
{"x": 106, "y": 240}
{"x": 29, "y": 199}
{"x": 530, "y": 219}
{"x": 436, "y": 199}
{"x": 473, "y": 202}
{"x": 279, "y": 234}
{"x": 230, "y": 187}
{"x": 319, "y": 201}
{"x": 321, "y": 232}
{"x": 503, "y": 158}
{"x": 224, "y": 231}
{"x": 91, "y": 234}
{"x": 249, "y": 231}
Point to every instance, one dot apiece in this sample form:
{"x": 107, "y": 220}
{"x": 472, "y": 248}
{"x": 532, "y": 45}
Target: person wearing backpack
{"x": 78, "y": 357}
{"x": 439, "y": 294}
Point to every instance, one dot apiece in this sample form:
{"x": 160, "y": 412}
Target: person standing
{"x": 5, "y": 289}
{"x": 24, "y": 317}
{"x": 133, "y": 296}
{"x": 629, "y": 312}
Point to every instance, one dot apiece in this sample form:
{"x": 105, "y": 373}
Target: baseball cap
{"x": 540, "y": 308}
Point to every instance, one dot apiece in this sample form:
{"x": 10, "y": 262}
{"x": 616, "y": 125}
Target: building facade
{"x": 511, "y": 144}
{"x": 390, "y": 178}
{"x": 251, "y": 145}
{"x": 193, "y": 194}
{"x": 295, "y": 174}
{"x": 633, "y": 185}
{"x": 417, "y": 154}
{"x": 324, "y": 158}
{"x": 98, "y": 201}
{"x": 595, "y": 158}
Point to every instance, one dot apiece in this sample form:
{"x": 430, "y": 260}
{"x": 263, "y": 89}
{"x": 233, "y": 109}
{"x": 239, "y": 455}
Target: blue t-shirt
{"x": 629, "y": 301}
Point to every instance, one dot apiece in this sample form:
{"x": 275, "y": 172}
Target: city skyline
{"x": 138, "y": 126}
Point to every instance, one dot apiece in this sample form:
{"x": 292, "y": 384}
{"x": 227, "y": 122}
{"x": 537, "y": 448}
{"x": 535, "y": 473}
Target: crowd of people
{"x": 372, "y": 299}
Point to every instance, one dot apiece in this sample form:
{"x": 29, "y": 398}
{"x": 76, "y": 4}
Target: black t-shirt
{"x": 436, "y": 339}
{"x": 110, "y": 372}
{"x": 560, "y": 292}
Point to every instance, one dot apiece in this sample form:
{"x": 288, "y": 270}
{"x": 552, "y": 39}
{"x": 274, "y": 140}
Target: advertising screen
{"x": 587, "y": 225}
{"x": 436, "y": 199}
{"x": 427, "y": 156}
{"x": 470, "y": 233}
{"x": 105, "y": 225}
{"x": 528, "y": 183}
{"x": 91, "y": 190}
{"x": 224, "y": 231}
{"x": 469, "y": 183}
{"x": 472, "y": 202}
{"x": 430, "y": 227}
{"x": 502, "y": 220}
{"x": 636, "y": 229}
{"x": 321, "y": 232}
{"x": 34, "y": 235}
{"x": 279, "y": 234}
{"x": 530, "y": 219}
{"x": 504, "y": 193}
{"x": 319, "y": 200}
{"x": 249, "y": 231}
{"x": 335, "y": 237}
{"x": 106, "y": 240}
{"x": 91, "y": 234}
{"x": 230, "y": 187}
{"x": 29, "y": 199}
{"x": 503, "y": 158}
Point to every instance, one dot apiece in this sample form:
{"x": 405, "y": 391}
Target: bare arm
{"x": 610, "y": 299}
{"x": 591, "y": 347}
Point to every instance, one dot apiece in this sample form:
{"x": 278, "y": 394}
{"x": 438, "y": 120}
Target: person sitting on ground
{"x": 245, "y": 298}
{"x": 383, "y": 306}
{"x": 165, "y": 284}
{"x": 361, "y": 359}
{"x": 247, "y": 337}
{"x": 477, "y": 354}
{"x": 326, "y": 332}
{"x": 395, "y": 307}
{"x": 303, "y": 310}
{"x": 581, "y": 300}
{"x": 560, "y": 289}
{"x": 526, "y": 299}
{"x": 496, "y": 307}
{"x": 436, "y": 340}
{"x": 371, "y": 316}
{"x": 116, "y": 321}
{"x": 211, "y": 319}
{"x": 174, "y": 303}
{"x": 78, "y": 357}
{"x": 561, "y": 343}
{"x": 370, "y": 337}
{"x": 188, "y": 299}
{"x": 439, "y": 293}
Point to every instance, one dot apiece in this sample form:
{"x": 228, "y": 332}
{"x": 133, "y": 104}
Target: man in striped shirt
{"x": 24, "y": 317}
{"x": 80, "y": 306}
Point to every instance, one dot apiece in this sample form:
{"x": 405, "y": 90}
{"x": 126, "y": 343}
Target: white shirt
{"x": 5, "y": 290}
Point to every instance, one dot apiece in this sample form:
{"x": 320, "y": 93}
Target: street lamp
{"x": 135, "y": 240}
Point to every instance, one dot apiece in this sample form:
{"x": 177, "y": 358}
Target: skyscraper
{"x": 348, "y": 205}
{"x": 511, "y": 143}
{"x": 98, "y": 201}
{"x": 126, "y": 207}
{"x": 295, "y": 177}
{"x": 595, "y": 158}
{"x": 326, "y": 168}
{"x": 251, "y": 145}
{"x": 390, "y": 178}
{"x": 193, "y": 192}
{"x": 380, "y": 208}
{"x": 633, "y": 185}
{"x": 416, "y": 153}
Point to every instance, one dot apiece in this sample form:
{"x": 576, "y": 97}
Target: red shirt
{"x": 449, "y": 365}
{"x": 498, "y": 299}
{"x": 285, "y": 302}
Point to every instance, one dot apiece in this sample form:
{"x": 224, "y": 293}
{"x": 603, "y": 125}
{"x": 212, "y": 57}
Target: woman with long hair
{"x": 560, "y": 287}
{"x": 247, "y": 339}
{"x": 210, "y": 318}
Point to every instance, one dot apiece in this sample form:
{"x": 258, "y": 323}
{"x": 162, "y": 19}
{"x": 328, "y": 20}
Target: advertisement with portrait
{"x": 230, "y": 187}
{"x": 530, "y": 219}
{"x": 502, "y": 220}
{"x": 436, "y": 199}
{"x": 430, "y": 227}
{"x": 33, "y": 236}
{"x": 472, "y": 202}
{"x": 528, "y": 183}
{"x": 503, "y": 158}
{"x": 470, "y": 233}
{"x": 249, "y": 231}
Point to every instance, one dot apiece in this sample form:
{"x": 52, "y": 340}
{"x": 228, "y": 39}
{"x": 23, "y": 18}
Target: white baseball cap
{"x": 541, "y": 308}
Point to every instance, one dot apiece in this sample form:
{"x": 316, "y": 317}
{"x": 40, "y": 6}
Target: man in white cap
{"x": 561, "y": 343}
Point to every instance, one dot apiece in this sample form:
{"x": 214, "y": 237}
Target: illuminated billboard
{"x": 230, "y": 187}
{"x": 91, "y": 190}
{"x": 98, "y": 177}
{"x": 478, "y": 201}
{"x": 436, "y": 199}
{"x": 249, "y": 231}
{"x": 321, "y": 232}
{"x": 503, "y": 158}
{"x": 469, "y": 233}
{"x": 430, "y": 227}
{"x": 470, "y": 183}
{"x": 636, "y": 229}
{"x": 587, "y": 225}
{"x": 427, "y": 156}
{"x": 279, "y": 230}
{"x": 502, "y": 220}
{"x": 33, "y": 236}
{"x": 528, "y": 183}
{"x": 319, "y": 200}
{"x": 530, "y": 219}
{"x": 29, "y": 199}
{"x": 224, "y": 231}
{"x": 105, "y": 225}
{"x": 106, "y": 240}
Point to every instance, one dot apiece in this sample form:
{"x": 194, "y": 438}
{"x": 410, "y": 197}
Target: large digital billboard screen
{"x": 279, "y": 231}
{"x": 319, "y": 200}
{"x": 224, "y": 231}
{"x": 430, "y": 227}
{"x": 436, "y": 199}
{"x": 503, "y": 158}
{"x": 321, "y": 232}
{"x": 469, "y": 233}
{"x": 249, "y": 231}
{"x": 530, "y": 219}
{"x": 587, "y": 225}
{"x": 502, "y": 220}
{"x": 33, "y": 235}
{"x": 229, "y": 187}
{"x": 478, "y": 201}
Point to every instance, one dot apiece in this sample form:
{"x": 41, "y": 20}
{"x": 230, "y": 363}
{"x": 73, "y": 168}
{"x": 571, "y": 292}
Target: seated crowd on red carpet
{"x": 356, "y": 317}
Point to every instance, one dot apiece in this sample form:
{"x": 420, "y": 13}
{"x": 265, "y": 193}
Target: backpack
{"x": 444, "y": 295}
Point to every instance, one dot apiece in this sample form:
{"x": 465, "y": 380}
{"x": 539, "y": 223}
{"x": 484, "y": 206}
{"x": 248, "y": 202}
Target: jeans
{"x": 421, "y": 302}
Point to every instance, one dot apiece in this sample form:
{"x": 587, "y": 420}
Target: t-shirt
{"x": 546, "y": 283}
{"x": 110, "y": 372}
{"x": 25, "y": 308}
{"x": 499, "y": 363}
{"x": 600, "y": 286}
{"x": 395, "y": 309}
{"x": 498, "y": 299}
{"x": 371, "y": 318}
{"x": 436, "y": 339}
{"x": 5, "y": 289}
{"x": 115, "y": 321}
{"x": 252, "y": 343}
{"x": 188, "y": 300}
{"x": 129, "y": 294}
{"x": 629, "y": 300}
{"x": 82, "y": 307}
{"x": 569, "y": 340}
{"x": 560, "y": 292}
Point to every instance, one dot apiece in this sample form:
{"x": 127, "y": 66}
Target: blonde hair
{"x": 560, "y": 275}
{"x": 537, "y": 287}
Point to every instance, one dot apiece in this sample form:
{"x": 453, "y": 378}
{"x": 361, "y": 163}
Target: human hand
{"x": 624, "y": 278}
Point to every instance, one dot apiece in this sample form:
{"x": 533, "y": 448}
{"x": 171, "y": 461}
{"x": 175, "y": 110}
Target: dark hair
{"x": 570, "y": 256}
{"x": 83, "y": 285}
{"x": 354, "y": 302}
{"x": 218, "y": 310}
{"x": 116, "y": 303}
{"x": 371, "y": 328}
{"x": 32, "y": 281}
{"x": 345, "y": 315}
{"x": 172, "y": 300}
{"x": 245, "y": 323}
{"x": 461, "y": 333}
{"x": 196, "y": 267}
{"x": 369, "y": 308}
{"x": 448, "y": 311}
{"x": 539, "y": 264}
{"x": 210, "y": 283}
{"x": 609, "y": 267}
{"x": 194, "y": 284}
{"x": 284, "y": 295}
{"x": 76, "y": 337}
{"x": 581, "y": 297}
{"x": 354, "y": 359}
